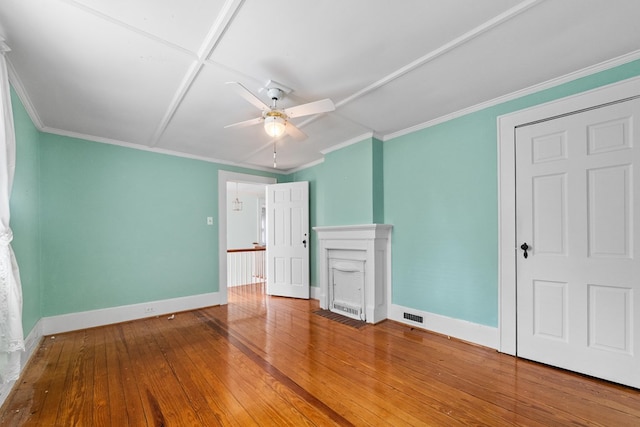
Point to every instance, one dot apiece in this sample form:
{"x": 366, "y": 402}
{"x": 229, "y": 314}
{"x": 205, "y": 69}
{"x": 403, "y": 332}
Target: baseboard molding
{"x": 107, "y": 316}
{"x": 461, "y": 329}
{"x": 31, "y": 344}
{"x": 314, "y": 292}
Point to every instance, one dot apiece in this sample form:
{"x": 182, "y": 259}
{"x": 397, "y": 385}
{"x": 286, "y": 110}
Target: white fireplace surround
{"x": 370, "y": 243}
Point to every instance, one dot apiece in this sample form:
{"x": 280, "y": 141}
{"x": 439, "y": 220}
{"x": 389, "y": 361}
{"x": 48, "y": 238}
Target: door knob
{"x": 525, "y": 247}
{"x": 304, "y": 242}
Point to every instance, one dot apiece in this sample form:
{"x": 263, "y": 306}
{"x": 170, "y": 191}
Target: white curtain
{"x": 11, "y": 336}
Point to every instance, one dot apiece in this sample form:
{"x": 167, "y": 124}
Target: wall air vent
{"x": 413, "y": 317}
{"x": 347, "y": 309}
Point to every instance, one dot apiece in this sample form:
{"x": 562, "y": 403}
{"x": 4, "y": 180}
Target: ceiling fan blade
{"x": 247, "y": 95}
{"x": 294, "y": 132}
{"x": 316, "y": 107}
{"x": 246, "y": 123}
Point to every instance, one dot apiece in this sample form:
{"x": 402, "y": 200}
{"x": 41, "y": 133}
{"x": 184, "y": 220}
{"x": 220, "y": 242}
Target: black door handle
{"x": 525, "y": 247}
{"x": 304, "y": 242}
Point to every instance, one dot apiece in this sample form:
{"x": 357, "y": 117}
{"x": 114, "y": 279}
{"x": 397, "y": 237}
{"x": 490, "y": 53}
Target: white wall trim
{"x": 124, "y": 313}
{"x": 305, "y": 166}
{"x": 507, "y": 245}
{"x": 156, "y": 150}
{"x": 31, "y": 344}
{"x": 347, "y": 143}
{"x": 106, "y": 316}
{"x": 16, "y": 83}
{"x": 476, "y": 333}
{"x": 22, "y": 95}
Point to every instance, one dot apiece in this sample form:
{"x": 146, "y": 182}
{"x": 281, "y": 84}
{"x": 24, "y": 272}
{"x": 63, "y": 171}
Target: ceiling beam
{"x": 453, "y": 44}
{"x": 219, "y": 27}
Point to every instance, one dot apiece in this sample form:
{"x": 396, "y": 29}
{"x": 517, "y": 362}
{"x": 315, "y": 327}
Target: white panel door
{"x": 577, "y": 212}
{"x": 288, "y": 239}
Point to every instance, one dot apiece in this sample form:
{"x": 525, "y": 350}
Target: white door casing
{"x": 507, "y": 248}
{"x": 288, "y": 239}
{"x": 577, "y": 290}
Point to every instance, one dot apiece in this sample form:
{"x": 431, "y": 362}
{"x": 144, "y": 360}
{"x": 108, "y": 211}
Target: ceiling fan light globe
{"x": 274, "y": 126}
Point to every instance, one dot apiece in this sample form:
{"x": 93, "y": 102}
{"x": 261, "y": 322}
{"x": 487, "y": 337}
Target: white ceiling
{"x": 151, "y": 73}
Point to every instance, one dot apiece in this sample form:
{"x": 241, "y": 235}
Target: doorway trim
{"x": 507, "y": 247}
{"x": 223, "y": 178}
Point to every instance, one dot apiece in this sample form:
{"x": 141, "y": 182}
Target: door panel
{"x": 609, "y": 213}
{"x": 549, "y": 200}
{"x": 610, "y": 318}
{"x": 550, "y": 309}
{"x": 578, "y": 290}
{"x": 288, "y": 239}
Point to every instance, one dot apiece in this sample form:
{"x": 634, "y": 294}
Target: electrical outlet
{"x": 209, "y": 220}
{"x": 148, "y": 310}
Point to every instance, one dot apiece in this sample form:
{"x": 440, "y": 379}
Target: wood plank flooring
{"x": 270, "y": 361}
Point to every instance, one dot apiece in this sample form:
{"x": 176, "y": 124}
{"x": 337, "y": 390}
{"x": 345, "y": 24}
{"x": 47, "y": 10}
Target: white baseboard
{"x": 314, "y": 292}
{"x": 31, "y": 344}
{"x": 90, "y": 319}
{"x": 461, "y": 329}
{"x": 106, "y": 316}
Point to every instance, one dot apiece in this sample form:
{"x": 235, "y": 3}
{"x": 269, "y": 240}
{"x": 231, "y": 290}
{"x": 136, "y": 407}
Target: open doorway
{"x": 246, "y": 236}
{"x": 226, "y": 185}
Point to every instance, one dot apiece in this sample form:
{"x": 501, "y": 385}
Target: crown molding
{"x": 585, "y": 72}
{"x": 156, "y": 150}
{"x": 17, "y": 85}
{"x": 346, "y": 143}
{"x": 336, "y": 147}
{"x": 305, "y": 166}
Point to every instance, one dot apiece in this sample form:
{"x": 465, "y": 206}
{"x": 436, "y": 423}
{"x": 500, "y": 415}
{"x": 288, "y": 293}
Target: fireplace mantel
{"x": 368, "y": 242}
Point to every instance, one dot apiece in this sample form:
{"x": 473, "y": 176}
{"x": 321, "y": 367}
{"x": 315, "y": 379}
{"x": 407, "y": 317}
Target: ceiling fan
{"x": 276, "y": 120}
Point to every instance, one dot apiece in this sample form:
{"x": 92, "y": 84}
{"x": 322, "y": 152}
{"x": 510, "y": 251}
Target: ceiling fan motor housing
{"x": 275, "y": 93}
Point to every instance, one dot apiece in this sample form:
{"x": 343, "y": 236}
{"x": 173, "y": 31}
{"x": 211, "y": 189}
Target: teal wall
{"x": 97, "y": 225}
{"x": 123, "y": 226}
{"x": 345, "y": 189}
{"x": 25, "y": 214}
{"x": 440, "y": 187}
{"x": 100, "y": 225}
{"x": 377, "y": 184}
{"x": 348, "y": 185}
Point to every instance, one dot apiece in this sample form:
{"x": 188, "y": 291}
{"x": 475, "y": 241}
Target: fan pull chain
{"x": 275, "y": 163}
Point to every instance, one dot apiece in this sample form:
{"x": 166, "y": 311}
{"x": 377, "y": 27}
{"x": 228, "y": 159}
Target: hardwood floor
{"x": 271, "y": 361}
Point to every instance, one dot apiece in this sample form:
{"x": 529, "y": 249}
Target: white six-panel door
{"x": 288, "y": 239}
{"x": 577, "y": 210}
